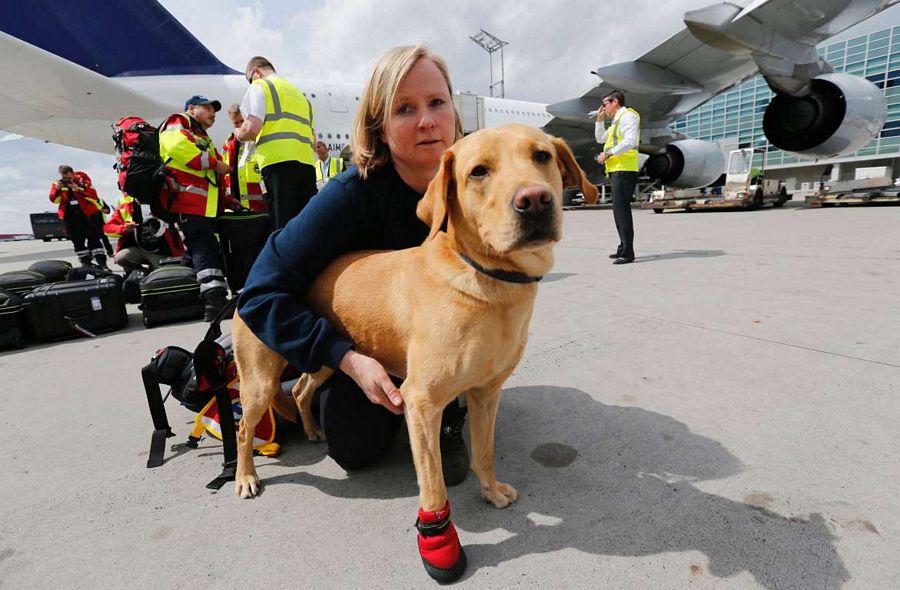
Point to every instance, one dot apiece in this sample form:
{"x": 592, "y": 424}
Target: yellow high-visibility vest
{"x": 335, "y": 167}
{"x": 287, "y": 131}
{"x": 627, "y": 161}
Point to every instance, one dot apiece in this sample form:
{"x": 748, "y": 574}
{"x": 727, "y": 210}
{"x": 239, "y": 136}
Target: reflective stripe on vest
{"x": 626, "y": 161}
{"x": 286, "y": 134}
{"x": 249, "y": 177}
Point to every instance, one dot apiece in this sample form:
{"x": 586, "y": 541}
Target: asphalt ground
{"x": 723, "y": 413}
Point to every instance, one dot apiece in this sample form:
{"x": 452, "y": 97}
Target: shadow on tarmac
{"x": 613, "y": 480}
{"x": 680, "y": 254}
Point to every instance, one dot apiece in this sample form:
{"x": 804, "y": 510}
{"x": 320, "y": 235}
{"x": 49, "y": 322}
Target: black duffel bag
{"x": 21, "y": 282}
{"x": 54, "y": 270}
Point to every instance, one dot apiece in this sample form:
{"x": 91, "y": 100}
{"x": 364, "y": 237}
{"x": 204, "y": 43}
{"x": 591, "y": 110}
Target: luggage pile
{"x": 52, "y": 301}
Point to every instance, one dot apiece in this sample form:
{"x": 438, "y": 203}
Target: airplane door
{"x": 336, "y": 101}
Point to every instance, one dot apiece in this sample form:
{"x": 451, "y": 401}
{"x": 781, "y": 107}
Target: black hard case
{"x": 56, "y": 311}
{"x": 170, "y": 294}
{"x": 12, "y": 320}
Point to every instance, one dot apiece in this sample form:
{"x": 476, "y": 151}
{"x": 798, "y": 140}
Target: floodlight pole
{"x": 490, "y": 43}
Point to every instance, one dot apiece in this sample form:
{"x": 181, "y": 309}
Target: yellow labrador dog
{"x": 450, "y": 316}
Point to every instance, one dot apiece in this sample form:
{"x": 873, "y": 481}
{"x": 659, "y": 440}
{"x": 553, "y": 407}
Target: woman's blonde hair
{"x": 369, "y": 150}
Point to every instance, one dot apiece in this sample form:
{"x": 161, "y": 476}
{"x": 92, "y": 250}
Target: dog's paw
{"x": 316, "y": 435}
{"x": 246, "y": 486}
{"x": 500, "y": 495}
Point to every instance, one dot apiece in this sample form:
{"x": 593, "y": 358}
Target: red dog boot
{"x": 442, "y": 555}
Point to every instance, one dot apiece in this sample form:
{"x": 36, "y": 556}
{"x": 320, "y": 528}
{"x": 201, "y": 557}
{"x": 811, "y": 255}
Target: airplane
{"x": 74, "y": 76}
{"x": 815, "y": 113}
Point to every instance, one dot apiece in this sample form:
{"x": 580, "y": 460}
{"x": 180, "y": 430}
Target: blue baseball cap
{"x": 199, "y": 99}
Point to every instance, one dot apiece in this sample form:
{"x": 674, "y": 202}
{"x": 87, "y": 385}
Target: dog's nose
{"x": 531, "y": 199}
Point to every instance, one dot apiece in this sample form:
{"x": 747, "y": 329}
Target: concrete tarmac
{"x": 721, "y": 414}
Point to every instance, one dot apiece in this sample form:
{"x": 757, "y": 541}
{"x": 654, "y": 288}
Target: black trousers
{"x": 623, "y": 184}
{"x": 289, "y": 186}
{"x": 358, "y": 431}
{"x": 202, "y": 250}
{"x": 85, "y": 232}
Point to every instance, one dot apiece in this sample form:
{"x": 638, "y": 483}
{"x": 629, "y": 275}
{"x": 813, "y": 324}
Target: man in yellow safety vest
{"x": 620, "y": 157}
{"x": 327, "y": 167}
{"x": 279, "y": 118}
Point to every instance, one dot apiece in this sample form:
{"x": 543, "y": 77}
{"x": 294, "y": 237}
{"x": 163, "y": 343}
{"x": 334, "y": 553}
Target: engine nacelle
{"x": 686, "y": 163}
{"x": 840, "y": 115}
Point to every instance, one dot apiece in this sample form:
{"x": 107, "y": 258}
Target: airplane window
{"x": 320, "y": 136}
{"x": 346, "y": 136}
{"x": 329, "y": 136}
{"x": 313, "y": 95}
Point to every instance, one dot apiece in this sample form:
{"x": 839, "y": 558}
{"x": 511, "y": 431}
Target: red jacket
{"x": 80, "y": 190}
{"x": 192, "y": 184}
{"x": 124, "y": 214}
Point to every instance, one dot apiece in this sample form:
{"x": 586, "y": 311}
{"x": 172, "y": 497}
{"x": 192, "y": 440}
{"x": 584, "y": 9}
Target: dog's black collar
{"x": 508, "y": 276}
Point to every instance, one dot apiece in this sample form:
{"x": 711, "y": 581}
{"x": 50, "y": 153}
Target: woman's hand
{"x": 373, "y": 380}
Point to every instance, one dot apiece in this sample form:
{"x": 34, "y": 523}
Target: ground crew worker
{"x": 242, "y": 183}
{"x": 191, "y": 192}
{"x": 279, "y": 118}
{"x": 326, "y": 166}
{"x": 620, "y": 157}
{"x": 79, "y": 208}
{"x": 129, "y": 254}
{"x": 85, "y": 181}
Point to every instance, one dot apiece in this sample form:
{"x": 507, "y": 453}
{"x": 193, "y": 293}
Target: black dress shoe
{"x": 624, "y": 260}
{"x": 454, "y": 454}
{"x": 616, "y": 255}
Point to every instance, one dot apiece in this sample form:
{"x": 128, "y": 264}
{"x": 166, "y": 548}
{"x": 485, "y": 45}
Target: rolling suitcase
{"x": 12, "y": 320}
{"x": 243, "y": 236}
{"x": 170, "y": 294}
{"x": 54, "y": 270}
{"x": 75, "y": 308}
{"x": 21, "y": 282}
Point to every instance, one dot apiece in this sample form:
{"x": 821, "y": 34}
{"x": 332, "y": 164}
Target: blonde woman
{"x": 405, "y": 122}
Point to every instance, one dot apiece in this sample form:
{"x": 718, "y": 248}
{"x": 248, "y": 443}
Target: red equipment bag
{"x": 140, "y": 167}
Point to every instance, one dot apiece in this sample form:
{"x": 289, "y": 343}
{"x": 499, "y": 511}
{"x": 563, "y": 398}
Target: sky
{"x": 552, "y": 48}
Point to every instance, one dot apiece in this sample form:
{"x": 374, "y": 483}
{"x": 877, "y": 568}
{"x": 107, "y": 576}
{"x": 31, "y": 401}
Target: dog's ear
{"x": 572, "y": 174}
{"x": 432, "y": 208}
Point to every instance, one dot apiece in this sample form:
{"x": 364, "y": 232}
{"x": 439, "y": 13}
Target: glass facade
{"x": 735, "y": 117}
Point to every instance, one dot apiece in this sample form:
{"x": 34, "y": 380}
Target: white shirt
{"x": 628, "y": 127}
{"x": 254, "y": 102}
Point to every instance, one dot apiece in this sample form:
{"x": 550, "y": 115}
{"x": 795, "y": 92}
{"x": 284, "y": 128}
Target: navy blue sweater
{"x": 347, "y": 215}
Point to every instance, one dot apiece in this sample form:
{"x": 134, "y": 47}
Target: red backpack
{"x": 140, "y": 167}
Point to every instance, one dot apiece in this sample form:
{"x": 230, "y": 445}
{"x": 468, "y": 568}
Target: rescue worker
{"x": 131, "y": 255}
{"x": 191, "y": 192}
{"x": 242, "y": 183}
{"x": 620, "y": 157}
{"x": 279, "y": 118}
{"x": 326, "y": 166}
{"x": 79, "y": 208}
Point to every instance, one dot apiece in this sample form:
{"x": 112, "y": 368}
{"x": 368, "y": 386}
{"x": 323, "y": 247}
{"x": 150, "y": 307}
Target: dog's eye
{"x": 542, "y": 156}
{"x": 478, "y": 172}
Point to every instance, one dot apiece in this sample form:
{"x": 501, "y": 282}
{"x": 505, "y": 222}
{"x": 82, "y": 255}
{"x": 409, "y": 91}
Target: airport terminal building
{"x": 735, "y": 118}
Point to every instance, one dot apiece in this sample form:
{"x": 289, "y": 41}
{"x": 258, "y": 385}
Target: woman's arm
{"x": 273, "y": 301}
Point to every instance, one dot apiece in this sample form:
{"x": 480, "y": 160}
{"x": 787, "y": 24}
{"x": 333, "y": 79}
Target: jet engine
{"x": 686, "y": 163}
{"x": 840, "y": 114}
